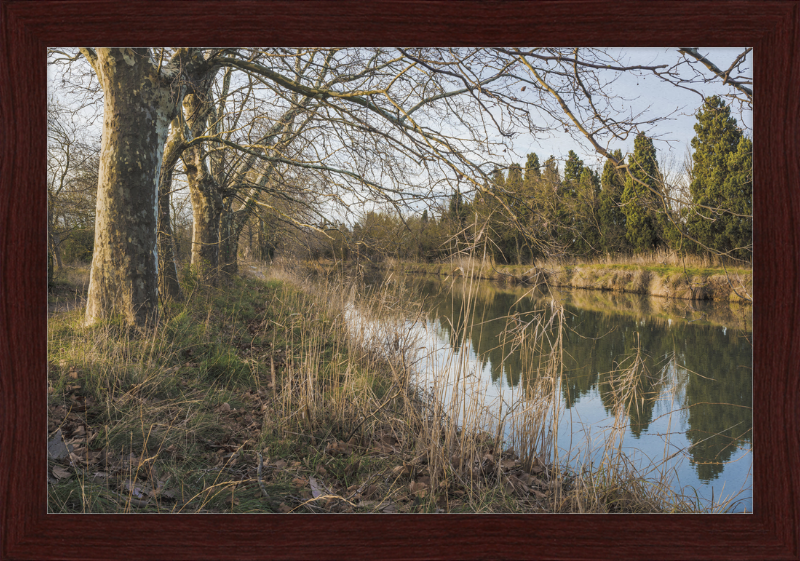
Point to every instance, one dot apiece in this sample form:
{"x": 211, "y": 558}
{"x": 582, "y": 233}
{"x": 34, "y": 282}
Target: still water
{"x": 694, "y": 404}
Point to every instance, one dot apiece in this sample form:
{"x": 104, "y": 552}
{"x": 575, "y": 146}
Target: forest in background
{"x": 581, "y": 213}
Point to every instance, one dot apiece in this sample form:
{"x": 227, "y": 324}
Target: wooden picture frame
{"x": 772, "y": 28}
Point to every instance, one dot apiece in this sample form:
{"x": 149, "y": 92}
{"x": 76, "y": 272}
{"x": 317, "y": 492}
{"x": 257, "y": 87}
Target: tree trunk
{"x": 207, "y": 201}
{"x": 54, "y": 240}
{"x": 168, "y": 285}
{"x": 206, "y": 211}
{"x": 137, "y": 113}
{"x": 233, "y": 222}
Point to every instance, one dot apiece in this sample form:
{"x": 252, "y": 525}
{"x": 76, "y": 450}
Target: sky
{"x": 674, "y": 135}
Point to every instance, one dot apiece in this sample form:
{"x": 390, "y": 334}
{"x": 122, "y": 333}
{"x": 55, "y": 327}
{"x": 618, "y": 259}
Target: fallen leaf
{"x": 508, "y": 464}
{"x": 56, "y": 447}
{"x": 134, "y": 489}
{"x": 538, "y": 494}
{"x": 418, "y": 489}
{"x": 530, "y": 480}
{"x": 61, "y": 473}
{"x": 370, "y": 491}
{"x": 138, "y": 503}
{"x": 316, "y": 491}
{"x": 401, "y": 471}
{"x": 169, "y": 494}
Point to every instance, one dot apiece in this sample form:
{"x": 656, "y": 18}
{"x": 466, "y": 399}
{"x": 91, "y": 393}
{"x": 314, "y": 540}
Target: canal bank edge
{"x": 669, "y": 282}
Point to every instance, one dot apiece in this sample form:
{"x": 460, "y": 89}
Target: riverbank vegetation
{"x": 656, "y": 277}
{"x": 284, "y": 396}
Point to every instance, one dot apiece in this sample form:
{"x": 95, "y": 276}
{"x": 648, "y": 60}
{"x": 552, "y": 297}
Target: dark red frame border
{"x": 28, "y": 27}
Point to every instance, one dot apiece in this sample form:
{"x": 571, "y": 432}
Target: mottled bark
{"x": 206, "y": 212}
{"x": 168, "y": 285}
{"x": 138, "y": 108}
{"x": 232, "y": 224}
{"x": 207, "y": 200}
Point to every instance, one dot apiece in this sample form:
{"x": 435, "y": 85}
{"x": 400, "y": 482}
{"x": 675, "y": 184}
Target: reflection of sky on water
{"x": 700, "y": 439}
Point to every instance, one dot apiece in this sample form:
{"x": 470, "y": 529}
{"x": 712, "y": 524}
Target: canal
{"x": 668, "y": 381}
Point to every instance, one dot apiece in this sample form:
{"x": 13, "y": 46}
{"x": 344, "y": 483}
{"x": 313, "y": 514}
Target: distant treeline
{"x": 536, "y": 211}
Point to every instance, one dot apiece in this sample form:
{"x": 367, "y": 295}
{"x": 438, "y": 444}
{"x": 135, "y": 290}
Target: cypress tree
{"x": 532, "y": 167}
{"x": 612, "y": 219}
{"x": 722, "y": 181}
{"x": 585, "y": 220}
{"x": 514, "y": 178}
{"x": 640, "y": 203}
{"x": 573, "y": 168}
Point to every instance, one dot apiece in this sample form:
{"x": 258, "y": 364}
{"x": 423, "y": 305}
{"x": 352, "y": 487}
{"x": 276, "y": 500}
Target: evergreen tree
{"x": 532, "y": 168}
{"x": 511, "y": 237}
{"x": 551, "y": 170}
{"x": 573, "y": 168}
{"x": 458, "y": 210}
{"x": 513, "y": 182}
{"x": 586, "y": 210}
{"x": 722, "y": 181}
{"x": 639, "y": 198}
{"x": 498, "y": 179}
{"x": 612, "y": 218}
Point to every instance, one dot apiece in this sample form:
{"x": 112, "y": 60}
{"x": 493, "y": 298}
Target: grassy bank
{"x": 280, "y": 396}
{"x": 668, "y": 277}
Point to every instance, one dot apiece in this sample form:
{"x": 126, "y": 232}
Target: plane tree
{"x": 376, "y": 109}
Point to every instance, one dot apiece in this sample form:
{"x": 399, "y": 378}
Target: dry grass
{"x": 297, "y": 394}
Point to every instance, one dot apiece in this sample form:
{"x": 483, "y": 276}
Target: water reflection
{"x": 697, "y": 360}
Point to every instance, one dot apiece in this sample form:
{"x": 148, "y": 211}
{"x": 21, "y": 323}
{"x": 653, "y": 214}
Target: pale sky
{"x": 674, "y": 134}
{"x": 644, "y": 92}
